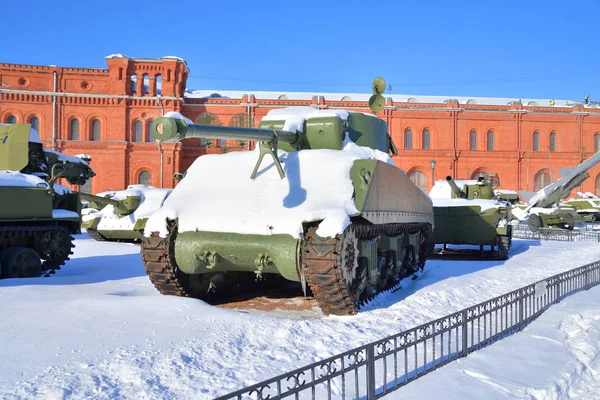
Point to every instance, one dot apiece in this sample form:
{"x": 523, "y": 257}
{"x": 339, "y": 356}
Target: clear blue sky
{"x": 526, "y": 49}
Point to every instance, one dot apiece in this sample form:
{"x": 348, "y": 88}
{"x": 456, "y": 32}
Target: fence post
{"x": 371, "y": 372}
{"x": 558, "y": 289}
{"x": 521, "y": 309}
{"x": 587, "y": 278}
{"x": 464, "y": 333}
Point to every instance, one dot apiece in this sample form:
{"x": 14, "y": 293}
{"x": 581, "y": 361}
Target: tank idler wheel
{"x": 54, "y": 245}
{"x": 20, "y": 262}
{"x": 535, "y": 222}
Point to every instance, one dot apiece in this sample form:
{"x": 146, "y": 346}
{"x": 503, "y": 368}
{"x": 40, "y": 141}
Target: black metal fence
{"x": 373, "y": 370}
{"x": 584, "y": 233}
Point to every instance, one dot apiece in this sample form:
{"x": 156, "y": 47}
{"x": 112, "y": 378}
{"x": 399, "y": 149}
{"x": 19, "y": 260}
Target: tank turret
{"x": 330, "y": 212}
{"x": 122, "y": 207}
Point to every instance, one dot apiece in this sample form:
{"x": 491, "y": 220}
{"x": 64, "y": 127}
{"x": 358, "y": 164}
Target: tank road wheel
{"x": 331, "y": 267}
{"x": 94, "y": 234}
{"x": 503, "y": 247}
{"x": 20, "y": 262}
{"x": 158, "y": 255}
{"x": 535, "y": 222}
{"x": 54, "y": 246}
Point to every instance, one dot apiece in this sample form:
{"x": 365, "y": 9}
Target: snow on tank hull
{"x": 343, "y": 223}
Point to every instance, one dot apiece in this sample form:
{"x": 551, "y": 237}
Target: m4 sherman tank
{"x": 330, "y": 210}
{"x": 37, "y": 216}
{"x": 467, "y": 212}
{"x": 121, "y": 215}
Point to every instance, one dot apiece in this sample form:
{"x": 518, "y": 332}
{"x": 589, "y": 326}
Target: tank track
{"x": 48, "y": 266}
{"x": 323, "y": 261}
{"x": 94, "y": 234}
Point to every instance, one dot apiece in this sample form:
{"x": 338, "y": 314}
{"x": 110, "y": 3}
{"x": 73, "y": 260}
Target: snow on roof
{"x": 117, "y": 55}
{"x": 402, "y": 98}
{"x": 506, "y": 191}
{"x": 10, "y": 178}
{"x": 442, "y": 190}
{"x": 177, "y": 115}
{"x": 173, "y": 58}
{"x": 152, "y": 199}
{"x": 316, "y": 187}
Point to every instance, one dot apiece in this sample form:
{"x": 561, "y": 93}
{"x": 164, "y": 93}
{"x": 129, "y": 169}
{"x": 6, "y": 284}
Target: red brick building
{"x": 106, "y": 113}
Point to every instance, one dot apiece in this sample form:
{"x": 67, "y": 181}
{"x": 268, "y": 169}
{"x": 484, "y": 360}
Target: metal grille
{"x": 583, "y": 235}
{"x": 373, "y": 370}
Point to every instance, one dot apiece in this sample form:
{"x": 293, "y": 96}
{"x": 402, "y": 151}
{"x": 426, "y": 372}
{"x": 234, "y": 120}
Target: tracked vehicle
{"x": 468, "y": 213}
{"x": 121, "y": 215}
{"x": 329, "y": 210}
{"x": 37, "y": 216}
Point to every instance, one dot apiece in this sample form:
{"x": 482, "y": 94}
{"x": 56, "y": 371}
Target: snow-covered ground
{"x": 99, "y": 329}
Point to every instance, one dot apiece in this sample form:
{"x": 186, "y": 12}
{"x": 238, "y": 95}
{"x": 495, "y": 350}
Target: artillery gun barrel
{"x": 98, "y": 199}
{"x": 455, "y": 189}
{"x": 171, "y": 129}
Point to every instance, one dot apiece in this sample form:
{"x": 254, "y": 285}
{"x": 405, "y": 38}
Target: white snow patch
{"x": 295, "y": 116}
{"x": 178, "y": 115}
{"x": 34, "y": 136}
{"x": 10, "y": 178}
{"x": 485, "y": 204}
{"x": 61, "y": 189}
{"x": 66, "y": 157}
{"x": 117, "y": 55}
{"x": 60, "y": 214}
{"x": 442, "y": 190}
{"x": 268, "y": 204}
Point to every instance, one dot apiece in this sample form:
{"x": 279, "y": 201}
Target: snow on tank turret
{"x": 328, "y": 208}
{"x": 468, "y": 212}
{"x": 121, "y": 215}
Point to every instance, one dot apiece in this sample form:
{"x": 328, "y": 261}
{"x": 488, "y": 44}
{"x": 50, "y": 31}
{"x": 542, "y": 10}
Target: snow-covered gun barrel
{"x": 454, "y": 187}
{"x": 343, "y": 221}
{"x": 319, "y": 133}
{"x": 122, "y": 207}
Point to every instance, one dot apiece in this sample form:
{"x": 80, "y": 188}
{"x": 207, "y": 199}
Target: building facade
{"x": 106, "y": 113}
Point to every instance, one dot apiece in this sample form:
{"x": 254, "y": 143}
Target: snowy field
{"x": 98, "y": 329}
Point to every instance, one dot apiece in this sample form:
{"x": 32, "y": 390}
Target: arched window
{"x": 426, "y": 139}
{"x": 541, "y": 180}
{"x": 11, "y": 119}
{"x": 553, "y": 141}
{"x": 490, "y": 141}
{"x": 146, "y": 81}
{"x": 35, "y": 123}
{"x": 144, "y": 178}
{"x": 207, "y": 119}
{"x": 536, "y": 141}
{"x": 596, "y": 142}
{"x": 419, "y": 179}
{"x": 471, "y": 101}
{"x": 151, "y": 137}
{"x": 597, "y": 191}
{"x": 158, "y": 81}
{"x": 133, "y": 83}
{"x": 74, "y": 129}
{"x": 346, "y": 98}
{"x": 473, "y": 140}
{"x": 479, "y": 172}
{"x": 96, "y": 130}
{"x": 138, "y": 132}
{"x": 408, "y": 139}
{"x": 282, "y": 97}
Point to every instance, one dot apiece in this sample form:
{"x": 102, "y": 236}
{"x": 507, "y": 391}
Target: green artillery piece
{"x": 467, "y": 213}
{"x": 544, "y": 209}
{"x": 121, "y": 215}
{"x": 36, "y": 219}
{"x": 330, "y": 211}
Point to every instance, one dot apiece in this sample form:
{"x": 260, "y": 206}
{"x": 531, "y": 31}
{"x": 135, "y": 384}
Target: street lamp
{"x": 432, "y": 165}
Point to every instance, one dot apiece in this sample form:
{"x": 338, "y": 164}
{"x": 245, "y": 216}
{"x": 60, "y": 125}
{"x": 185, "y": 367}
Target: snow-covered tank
{"x": 467, "y": 212}
{"x": 329, "y": 209}
{"x": 37, "y": 216}
{"x": 121, "y": 215}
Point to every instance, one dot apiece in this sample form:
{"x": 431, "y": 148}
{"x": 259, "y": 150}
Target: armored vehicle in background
{"x": 329, "y": 209}
{"x": 37, "y": 217}
{"x": 544, "y": 208}
{"x": 468, "y": 213}
{"x": 587, "y": 205}
{"x": 509, "y": 196}
{"x": 121, "y": 215}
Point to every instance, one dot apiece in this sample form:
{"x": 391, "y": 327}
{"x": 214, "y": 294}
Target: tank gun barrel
{"x": 172, "y": 129}
{"x": 98, "y": 199}
{"x": 455, "y": 189}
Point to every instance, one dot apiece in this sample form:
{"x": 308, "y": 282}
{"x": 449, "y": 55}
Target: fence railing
{"x": 583, "y": 234}
{"x": 373, "y": 370}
